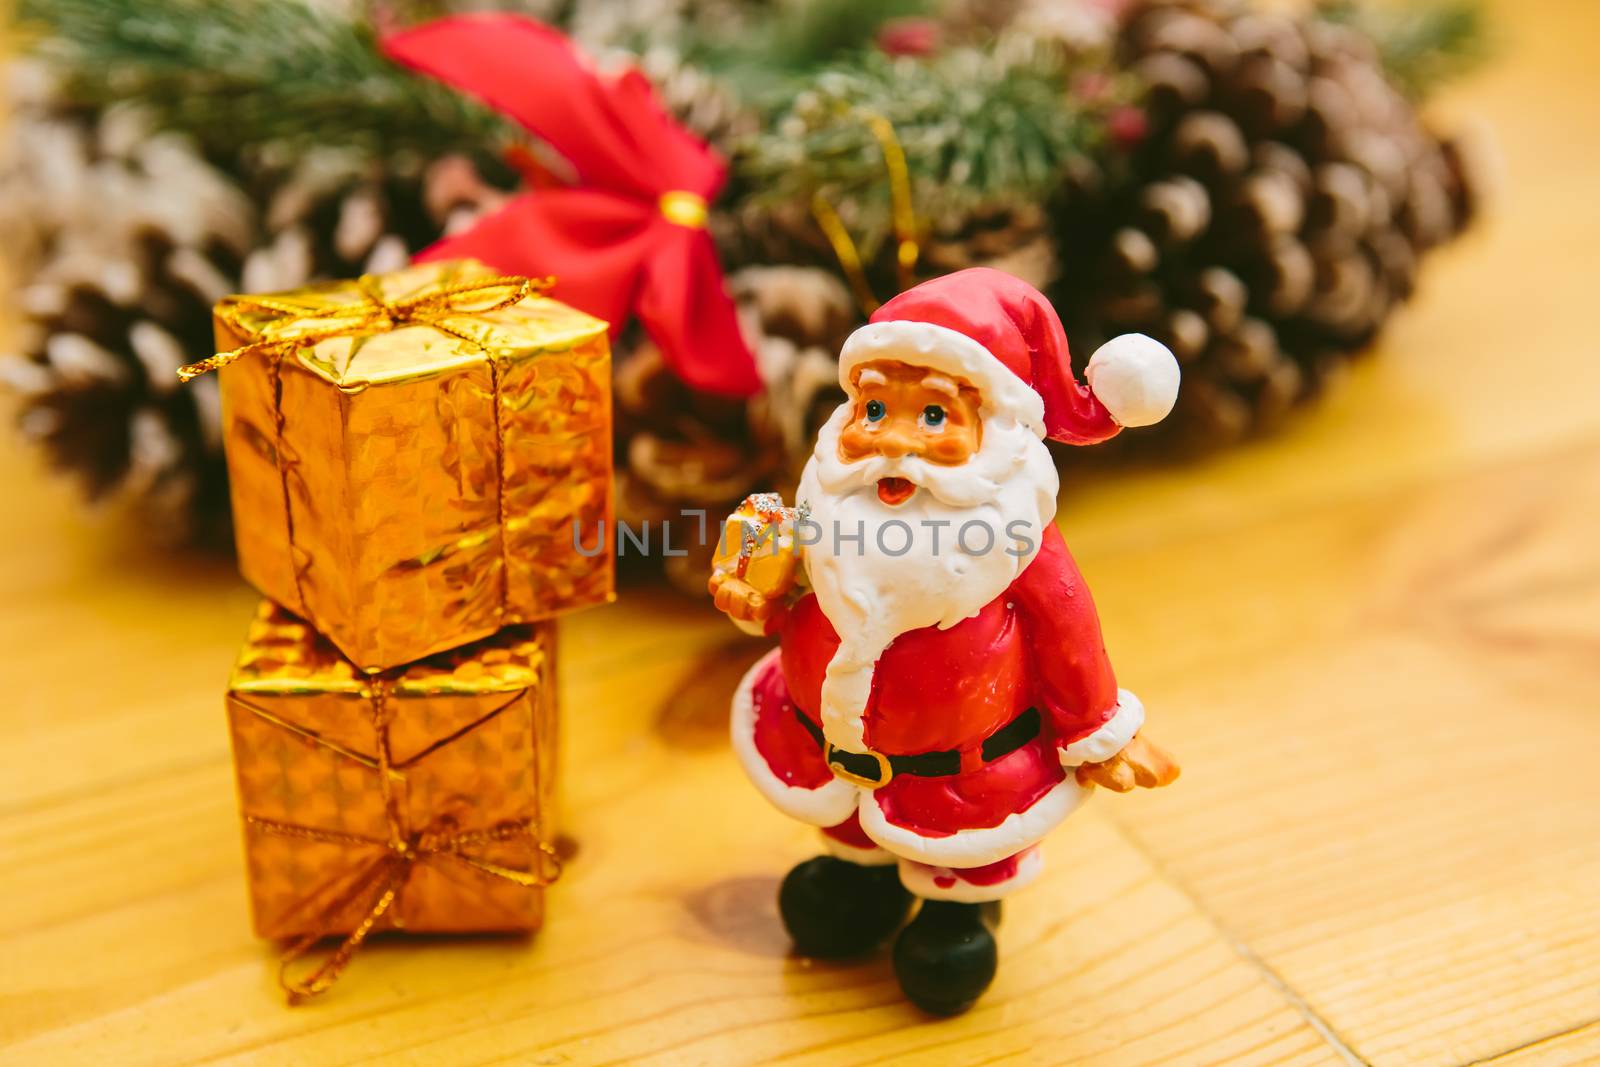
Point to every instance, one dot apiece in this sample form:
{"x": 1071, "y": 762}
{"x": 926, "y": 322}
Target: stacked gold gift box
{"x": 420, "y": 466}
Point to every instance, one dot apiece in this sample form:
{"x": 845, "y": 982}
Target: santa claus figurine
{"x": 941, "y": 697}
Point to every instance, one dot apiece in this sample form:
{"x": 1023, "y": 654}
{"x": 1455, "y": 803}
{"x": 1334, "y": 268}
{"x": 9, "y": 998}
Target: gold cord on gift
{"x": 298, "y": 324}
{"x": 905, "y": 218}
{"x": 380, "y": 884}
{"x": 281, "y": 460}
{"x": 501, "y": 518}
{"x": 844, "y": 249}
{"x": 902, "y": 213}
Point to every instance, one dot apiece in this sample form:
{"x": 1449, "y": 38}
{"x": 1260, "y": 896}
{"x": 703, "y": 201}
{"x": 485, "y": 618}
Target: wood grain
{"x": 1575, "y": 1046}
{"x": 1373, "y": 642}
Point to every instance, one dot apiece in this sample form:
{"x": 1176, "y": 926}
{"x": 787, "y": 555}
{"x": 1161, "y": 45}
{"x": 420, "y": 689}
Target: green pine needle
{"x": 241, "y": 74}
{"x": 974, "y": 131}
{"x": 796, "y": 37}
{"x": 246, "y": 76}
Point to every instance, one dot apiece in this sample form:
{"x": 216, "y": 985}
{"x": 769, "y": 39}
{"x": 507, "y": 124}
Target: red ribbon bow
{"x": 630, "y": 237}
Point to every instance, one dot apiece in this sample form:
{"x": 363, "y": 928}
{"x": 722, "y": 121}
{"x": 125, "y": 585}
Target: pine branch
{"x": 975, "y": 131}
{"x": 796, "y": 37}
{"x": 1422, "y": 45}
{"x": 239, "y": 74}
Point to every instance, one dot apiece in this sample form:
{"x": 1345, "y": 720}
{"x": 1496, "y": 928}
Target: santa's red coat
{"x": 1037, "y": 645}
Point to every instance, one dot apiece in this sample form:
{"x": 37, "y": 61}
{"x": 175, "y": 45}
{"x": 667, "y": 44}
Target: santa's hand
{"x": 1140, "y": 763}
{"x": 738, "y": 599}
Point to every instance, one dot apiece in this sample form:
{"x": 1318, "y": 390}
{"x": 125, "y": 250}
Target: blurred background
{"x": 1257, "y": 187}
{"x": 1354, "y": 577}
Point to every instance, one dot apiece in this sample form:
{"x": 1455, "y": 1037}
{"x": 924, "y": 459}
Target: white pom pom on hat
{"x": 1135, "y": 377}
{"x": 1001, "y": 334}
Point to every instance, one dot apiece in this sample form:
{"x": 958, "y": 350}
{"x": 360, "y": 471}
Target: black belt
{"x": 874, "y": 769}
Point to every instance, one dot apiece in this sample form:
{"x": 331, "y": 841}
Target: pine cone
{"x": 1270, "y": 219}
{"x": 703, "y": 104}
{"x": 126, "y": 242}
{"x": 331, "y": 217}
{"x": 1015, "y": 239}
{"x": 680, "y": 450}
{"x": 1077, "y": 26}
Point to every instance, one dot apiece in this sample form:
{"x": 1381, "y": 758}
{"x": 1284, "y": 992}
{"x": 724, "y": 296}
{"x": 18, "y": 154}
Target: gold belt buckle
{"x": 885, "y": 771}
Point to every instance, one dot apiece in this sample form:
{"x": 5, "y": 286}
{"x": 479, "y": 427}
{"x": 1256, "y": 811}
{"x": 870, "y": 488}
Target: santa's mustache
{"x": 953, "y": 487}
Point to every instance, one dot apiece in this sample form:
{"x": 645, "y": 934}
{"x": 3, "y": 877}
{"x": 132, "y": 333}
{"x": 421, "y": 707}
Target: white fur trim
{"x": 827, "y": 805}
{"x": 974, "y": 848}
{"x": 925, "y": 344}
{"x": 919, "y": 879}
{"x": 1135, "y": 377}
{"x": 866, "y": 857}
{"x": 1112, "y": 736}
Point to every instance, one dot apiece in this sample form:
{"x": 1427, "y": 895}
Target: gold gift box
{"x": 760, "y": 544}
{"x": 433, "y": 783}
{"x": 414, "y": 458}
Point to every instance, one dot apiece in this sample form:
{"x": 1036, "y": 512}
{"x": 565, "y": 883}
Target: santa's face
{"x": 905, "y": 410}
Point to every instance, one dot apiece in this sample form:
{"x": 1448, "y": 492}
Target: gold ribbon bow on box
{"x": 304, "y": 323}
{"x": 382, "y": 883}
{"x": 376, "y": 886}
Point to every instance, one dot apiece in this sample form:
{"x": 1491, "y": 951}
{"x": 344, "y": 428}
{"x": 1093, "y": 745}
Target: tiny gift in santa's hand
{"x": 942, "y": 697}
{"x": 757, "y": 559}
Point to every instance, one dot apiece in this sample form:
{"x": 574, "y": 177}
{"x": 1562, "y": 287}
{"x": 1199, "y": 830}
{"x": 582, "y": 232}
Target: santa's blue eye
{"x": 875, "y": 410}
{"x": 933, "y": 415}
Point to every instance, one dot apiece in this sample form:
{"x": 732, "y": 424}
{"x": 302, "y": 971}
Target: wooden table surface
{"x": 1374, "y": 640}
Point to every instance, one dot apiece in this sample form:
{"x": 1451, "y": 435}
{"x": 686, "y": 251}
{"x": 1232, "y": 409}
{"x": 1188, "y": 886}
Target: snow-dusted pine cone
{"x": 123, "y": 242}
{"x": 332, "y": 217}
{"x": 705, "y": 106}
{"x": 1014, "y": 238}
{"x": 680, "y": 450}
{"x": 1270, "y": 218}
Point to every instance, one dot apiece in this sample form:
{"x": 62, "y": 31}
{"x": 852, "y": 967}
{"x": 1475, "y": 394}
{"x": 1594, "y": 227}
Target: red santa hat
{"x": 1001, "y": 334}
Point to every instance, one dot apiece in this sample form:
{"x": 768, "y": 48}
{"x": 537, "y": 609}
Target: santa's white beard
{"x": 934, "y": 560}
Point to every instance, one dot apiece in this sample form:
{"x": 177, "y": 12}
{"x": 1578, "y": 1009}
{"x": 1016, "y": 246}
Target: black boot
{"x": 834, "y": 908}
{"x": 947, "y": 957}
